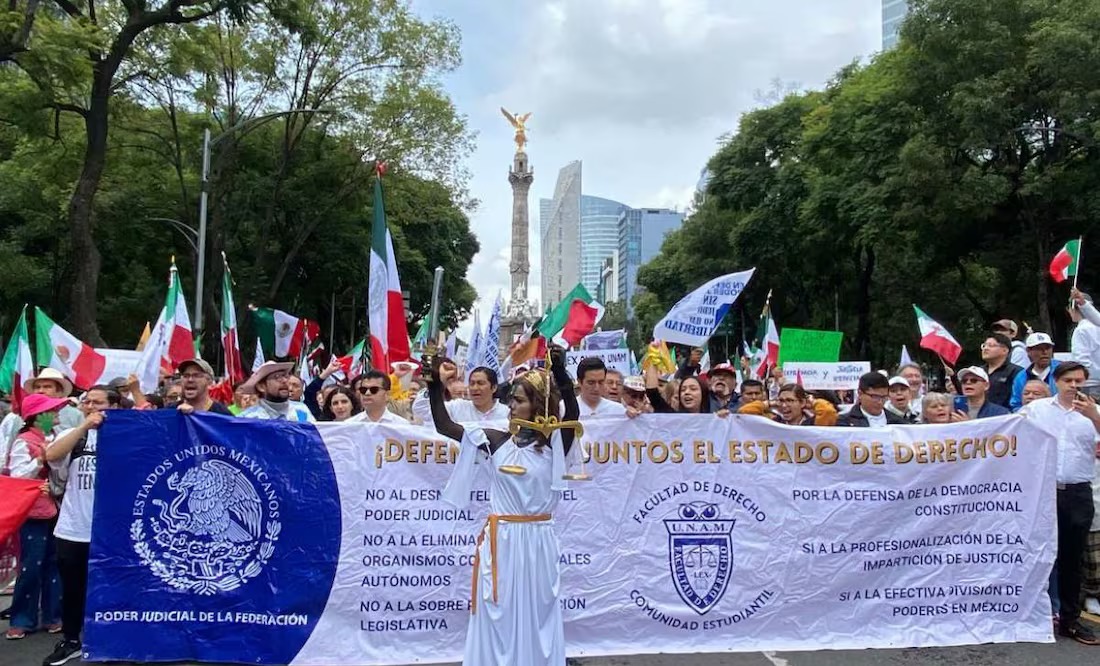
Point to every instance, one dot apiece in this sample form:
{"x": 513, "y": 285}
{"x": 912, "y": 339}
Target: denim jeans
{"x": 38, "y": 586}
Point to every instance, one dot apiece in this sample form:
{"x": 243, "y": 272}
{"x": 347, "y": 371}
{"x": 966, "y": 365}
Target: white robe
{"x": 524, "y": 626}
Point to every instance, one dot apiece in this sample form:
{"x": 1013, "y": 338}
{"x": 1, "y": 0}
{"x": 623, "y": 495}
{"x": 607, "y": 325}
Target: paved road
{"x": 30, "y": 651}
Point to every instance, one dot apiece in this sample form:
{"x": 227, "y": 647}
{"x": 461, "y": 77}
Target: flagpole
{"x": 1080, "y": 249}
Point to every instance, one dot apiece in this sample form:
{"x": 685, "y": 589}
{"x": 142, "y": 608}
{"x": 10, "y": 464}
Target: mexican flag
{"x": 234, "y": 370}
{"x": 389, "y": 335}
{"x": 1064, "y": 264}
{"x": 171, "y": 342}
{"x": 353, "y": 362}
{"x": 934, "y": 337}
{"x": 17, "y": 366}
{"x": 574, "y": 317}
{"x": 283, "y": 335}
{"x": 765, "y": 354}
{"x": 60, "y": 350}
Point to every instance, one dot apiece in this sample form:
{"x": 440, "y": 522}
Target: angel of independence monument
{"x": 519, "y": 312}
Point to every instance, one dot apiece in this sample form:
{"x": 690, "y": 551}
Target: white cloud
{"x": 639, "y": 90}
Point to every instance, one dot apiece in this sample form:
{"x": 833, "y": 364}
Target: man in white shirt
{"x": 1074, "y": 420}
{"x": 591, "y": 374}
{"x": 481, "y": 408}
{"x": 374, "y": 396}
{"x": 76, "y": 449}
{"x": 1085, "y": 343}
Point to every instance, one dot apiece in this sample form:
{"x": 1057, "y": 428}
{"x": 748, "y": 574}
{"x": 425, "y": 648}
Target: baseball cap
{"x": 1037, "y": 339}
{"x": 899, "y": 381}
{"x": 976, "y": 371}
{"x": 1005, "y": 324}
{"x": 636, "y": 384}
{"x": 199, "y": 363}
{"x": 722, "y": 367}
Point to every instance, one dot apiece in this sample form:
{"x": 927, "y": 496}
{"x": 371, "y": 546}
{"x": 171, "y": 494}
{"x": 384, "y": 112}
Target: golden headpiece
{"x": 539, "y": 380}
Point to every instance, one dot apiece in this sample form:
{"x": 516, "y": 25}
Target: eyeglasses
{"x": 369, "y": 390}
{"x": 193, "y": 375}
{"x": 972, "y": 380}
{"x": 877, "y": 397}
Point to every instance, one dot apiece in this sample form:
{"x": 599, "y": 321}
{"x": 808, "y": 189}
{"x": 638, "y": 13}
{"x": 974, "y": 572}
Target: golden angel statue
{"x": 520, "y": 123}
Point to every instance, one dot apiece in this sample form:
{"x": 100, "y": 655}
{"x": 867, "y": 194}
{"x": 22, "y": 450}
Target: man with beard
{"x": 270, "y": 383}
{"x": 196, "y": 376}
{"x": 723, "y": 380}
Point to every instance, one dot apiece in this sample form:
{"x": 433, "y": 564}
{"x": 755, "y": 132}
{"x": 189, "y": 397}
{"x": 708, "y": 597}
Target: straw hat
{"x": 262, "y": 373}
{"x": 52, "y": 375}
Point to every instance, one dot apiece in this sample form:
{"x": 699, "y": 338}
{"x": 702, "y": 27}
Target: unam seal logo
{"x": 209, "y": 526}
{"x": 700, "y": 554}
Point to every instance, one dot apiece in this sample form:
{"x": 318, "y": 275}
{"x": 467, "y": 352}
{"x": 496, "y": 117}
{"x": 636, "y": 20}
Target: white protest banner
{"x": 614, "y": 359}
{"x": 843, "y": 376}
{"x": 697, "y": 534}
{"x": 695, "y": 317}
{"x": 120, "y": 363}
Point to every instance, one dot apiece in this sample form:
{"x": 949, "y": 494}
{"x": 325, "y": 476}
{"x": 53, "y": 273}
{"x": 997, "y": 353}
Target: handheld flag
{"x": 696, "y": 316}
{"x": 283, "y": 335}
{"x": 1064, "y": 265}
{"x": 389, "y": 337}
{"x": 171, "y": 342}
{"x": 231, "y": 348}
{"x": 18, "y": 366}
{"x": 473, "y": 354}
{"x": 936, "y": 338}
{"x": 490, "y": 356}
{"x": 62, "y": 351}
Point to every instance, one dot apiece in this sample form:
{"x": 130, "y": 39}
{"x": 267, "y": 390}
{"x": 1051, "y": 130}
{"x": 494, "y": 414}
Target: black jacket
{"x": 1000, "y": 384}
{"x": 855, "y": 418}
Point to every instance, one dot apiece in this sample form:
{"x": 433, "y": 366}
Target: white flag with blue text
{"x": 693, "y": 320}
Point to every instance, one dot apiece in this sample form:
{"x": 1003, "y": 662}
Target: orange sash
{"x": 494, "y": 522}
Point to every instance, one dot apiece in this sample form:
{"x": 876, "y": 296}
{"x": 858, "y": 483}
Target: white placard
{"x": 843, "y": 376}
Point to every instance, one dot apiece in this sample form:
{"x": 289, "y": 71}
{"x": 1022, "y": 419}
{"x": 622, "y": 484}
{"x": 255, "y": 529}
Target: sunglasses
{"x": 972, "y": 380}
{"x": 369, "y": 390}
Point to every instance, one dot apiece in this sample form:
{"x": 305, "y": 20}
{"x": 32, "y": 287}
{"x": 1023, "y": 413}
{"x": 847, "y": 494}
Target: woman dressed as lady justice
{"x": 515, "y": 617}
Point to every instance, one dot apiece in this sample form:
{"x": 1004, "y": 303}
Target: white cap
{"x": 976, "y": 371}
{"x": 899, "y": 381}
{"x": 1037, "y": 339}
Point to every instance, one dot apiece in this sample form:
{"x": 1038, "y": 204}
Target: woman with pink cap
{"x": 38, "y": 586}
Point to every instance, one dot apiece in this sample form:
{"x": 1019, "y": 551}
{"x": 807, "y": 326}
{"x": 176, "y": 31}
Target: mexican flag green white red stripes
{"x": 17, "y": 366}
{"x": 352, "y": 364}
{"x": 765, "y": 353}
{"x": 389, "y": 334}
{"x": 231, "y": 348}
{"x": 574, "y": 317}
{"x": 62, "y": 351}
{"x": 282, "y": 335}
{"x": 936, "y": 338}
{"x": 171, "y": 342}
{"x": 1064, "y": 264}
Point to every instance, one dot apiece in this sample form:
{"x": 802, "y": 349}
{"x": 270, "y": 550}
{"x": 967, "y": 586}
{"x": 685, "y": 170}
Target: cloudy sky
{"x": 639, "y": 90}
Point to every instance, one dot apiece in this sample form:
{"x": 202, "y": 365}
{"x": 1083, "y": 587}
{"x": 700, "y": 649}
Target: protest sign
{"x": 614, "y": 359}
{"x": 697, "y": 534}
{"x": 807, "y": 345}
{"x": 693, "y": 319}
{"x": 842, "y": 376}
{"x": 120, "y": 363}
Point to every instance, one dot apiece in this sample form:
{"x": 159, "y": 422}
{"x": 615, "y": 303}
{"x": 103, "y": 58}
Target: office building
{"x": 559, "y": 224}
{"x": 641, "y": 233}
{"x": 599, "y": 237}
{"x": 893, "y": 13}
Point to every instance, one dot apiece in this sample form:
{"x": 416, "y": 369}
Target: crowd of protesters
{"x": 55, "y": 441}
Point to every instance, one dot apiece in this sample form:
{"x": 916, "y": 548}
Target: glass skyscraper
{"x": 599, "y": 236}
{"x": 641, "y": 233}
{"x": 893, "y": 13}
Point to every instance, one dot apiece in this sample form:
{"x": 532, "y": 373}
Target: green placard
{"x": 800, "y": 345}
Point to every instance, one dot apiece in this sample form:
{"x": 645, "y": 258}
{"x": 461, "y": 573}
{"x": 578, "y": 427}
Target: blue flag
{"x": 213, "y": 538}
{"x": 491, "y": 355}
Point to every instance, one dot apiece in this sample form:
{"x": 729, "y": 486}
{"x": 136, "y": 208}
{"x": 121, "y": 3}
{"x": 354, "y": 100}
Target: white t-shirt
{"x": 387, "y": 417}
{"x": 876, "y": 421}
{"x": 74, "y": 523}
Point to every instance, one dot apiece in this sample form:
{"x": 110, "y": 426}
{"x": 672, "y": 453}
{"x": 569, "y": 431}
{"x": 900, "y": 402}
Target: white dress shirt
{"x": 1085, "y": 343}
{"x": 604, "y": 407}
{"x": 1076, "y": 435}
{"x": 461, "y": 411}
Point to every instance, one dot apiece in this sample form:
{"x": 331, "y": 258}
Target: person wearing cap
{"x": 1000, "y": 372}
{"x": 975, "y": 388}
{"x": 1040, "y": 351}
{"x": 52, "y": 384}
{"x": 270, "y": 384}
{"x": 37, "y": 587}
{"x": 870, "y": 410}
{"x": 591, "y": 373}
{"x": 634, "y": 395}
{"x": 75, "y": 450}
{"x": 196, "y": 376}
{"x": 901, "y": 399}
{"x": 1008, "y": 328}
{"x": 722, "y": 379}
{"x": 1073, "y": 419}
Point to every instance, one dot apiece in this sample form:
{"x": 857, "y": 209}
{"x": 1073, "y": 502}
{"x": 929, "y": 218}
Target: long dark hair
{"x": 704, "y": 395}
{"x": 326, "y": 410}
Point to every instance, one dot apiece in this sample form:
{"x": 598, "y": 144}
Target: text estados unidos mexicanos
{"x": 218, "y": 617}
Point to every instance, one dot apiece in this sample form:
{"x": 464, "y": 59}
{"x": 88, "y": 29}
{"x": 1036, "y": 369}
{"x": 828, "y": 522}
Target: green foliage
{"x": 918, "y": 177}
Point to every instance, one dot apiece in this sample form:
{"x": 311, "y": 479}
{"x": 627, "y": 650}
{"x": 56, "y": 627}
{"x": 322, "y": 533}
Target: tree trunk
{"x": 866, "y": 270}
{"x": 83, "y": 302}
{"x": 1042, "y": 245}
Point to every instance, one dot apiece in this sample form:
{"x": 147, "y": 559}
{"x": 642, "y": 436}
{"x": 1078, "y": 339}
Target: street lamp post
{"x": 207, "y": 144}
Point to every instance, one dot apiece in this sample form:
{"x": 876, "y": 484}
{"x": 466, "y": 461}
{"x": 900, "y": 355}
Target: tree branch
{"x": 69, "y": 8}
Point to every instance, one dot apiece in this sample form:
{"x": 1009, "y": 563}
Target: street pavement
{"x": 31, "y": 650}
